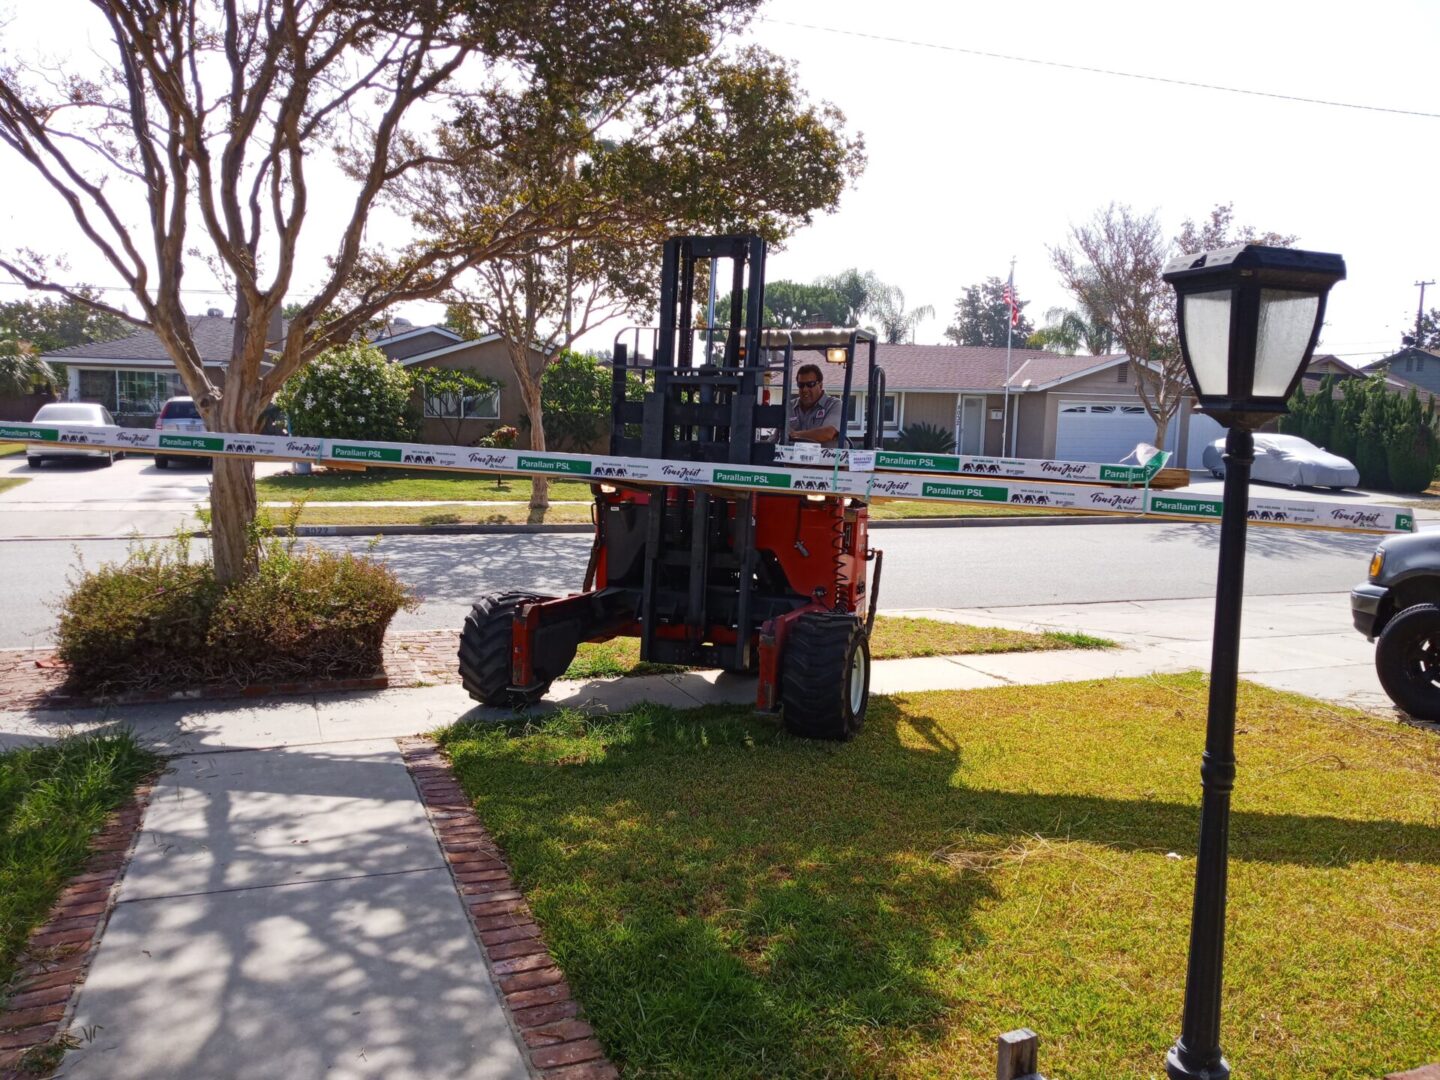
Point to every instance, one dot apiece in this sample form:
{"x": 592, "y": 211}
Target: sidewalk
{"x": 288, "y": 911}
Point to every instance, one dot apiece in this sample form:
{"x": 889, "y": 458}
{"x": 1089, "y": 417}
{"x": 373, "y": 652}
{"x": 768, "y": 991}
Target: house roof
{"x": 444, "y": 350}
{"x": 213, "y": 334}
{"x": 952, "y": 368}
{"x": 412, "y": 332}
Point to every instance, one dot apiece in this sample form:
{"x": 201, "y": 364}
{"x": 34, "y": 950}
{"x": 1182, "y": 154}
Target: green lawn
{"x": 52, "y": 799}
{"x": 442, "y": 514}
{"x": 894, "y": 638}
{"x": 8, "y": 482}
{"x": 10, "y": 449}
{"x": 727, "y": 901}
{"x": 408, "y": 485}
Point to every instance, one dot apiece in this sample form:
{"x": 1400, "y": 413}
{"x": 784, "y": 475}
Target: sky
{"x": 975, "y": 160}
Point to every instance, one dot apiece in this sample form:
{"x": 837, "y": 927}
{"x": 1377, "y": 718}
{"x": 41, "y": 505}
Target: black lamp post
{"x": 1249, "y": 317}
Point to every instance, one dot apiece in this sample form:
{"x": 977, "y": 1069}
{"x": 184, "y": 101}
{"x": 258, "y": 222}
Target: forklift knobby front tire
{"x": 1407, "y": 659}
{"x": 485, "y": 657}
{"x": 825, "y": 677}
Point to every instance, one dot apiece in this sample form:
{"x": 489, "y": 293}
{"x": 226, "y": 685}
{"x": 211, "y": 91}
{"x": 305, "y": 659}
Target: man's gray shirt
{"x": 824, "y": 413}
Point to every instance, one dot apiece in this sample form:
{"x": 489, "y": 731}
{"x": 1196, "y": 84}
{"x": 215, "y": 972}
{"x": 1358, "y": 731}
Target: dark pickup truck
{"x": 1400, "y": 605}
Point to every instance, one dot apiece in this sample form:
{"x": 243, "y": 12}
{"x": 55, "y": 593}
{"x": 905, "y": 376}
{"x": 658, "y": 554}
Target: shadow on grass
{"x": 728, "y": 901}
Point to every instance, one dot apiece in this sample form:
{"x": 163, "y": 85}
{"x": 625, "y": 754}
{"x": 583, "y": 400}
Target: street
{"x": 1006, "y": 566}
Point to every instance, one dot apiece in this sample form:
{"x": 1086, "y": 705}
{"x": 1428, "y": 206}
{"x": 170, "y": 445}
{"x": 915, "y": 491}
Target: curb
{"x": 555, "y": 1042}
{"x": 57, "y": 954}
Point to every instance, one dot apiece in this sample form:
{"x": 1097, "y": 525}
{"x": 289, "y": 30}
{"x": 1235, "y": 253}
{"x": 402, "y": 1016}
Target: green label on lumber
{"x": 191, "y": 442}
{"x": 1122, "y": 474}
{"x": 555, "y": 465}
{"x": 33, "y": 434}
{"x": 972, "y": 492}
{"x": 751, "y": 478}
{"x": 924, "y": 462}
{"x": 1166, "y": 504}
{"x": 364, "y": 453}
{"x": 1404, "y": 523}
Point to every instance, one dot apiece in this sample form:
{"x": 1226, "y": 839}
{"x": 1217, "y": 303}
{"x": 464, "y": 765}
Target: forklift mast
{"x": 702, "y": 396}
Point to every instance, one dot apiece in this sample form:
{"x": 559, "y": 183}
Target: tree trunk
{"x": 1162, "y": 428}
{"x": 232, "y": 488}
{"x": 539, "y": 485}
{"x": 232, "y": 509}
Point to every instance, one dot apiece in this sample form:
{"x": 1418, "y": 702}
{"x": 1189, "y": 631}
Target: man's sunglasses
{"x": 806, "y": 384}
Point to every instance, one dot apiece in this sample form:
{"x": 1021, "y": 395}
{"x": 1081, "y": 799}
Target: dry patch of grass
{"x": 10, "y": 449}
{"x": 8, "y": 482}
{"x": 728, "y": 901}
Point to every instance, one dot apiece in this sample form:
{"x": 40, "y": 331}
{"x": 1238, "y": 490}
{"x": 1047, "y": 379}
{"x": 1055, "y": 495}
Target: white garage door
{"x": 1203, "y": 431}
{"x": 1106, "y": 433}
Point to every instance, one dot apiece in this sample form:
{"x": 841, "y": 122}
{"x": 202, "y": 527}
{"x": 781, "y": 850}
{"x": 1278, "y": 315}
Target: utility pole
{"x": 1420, "y": 313}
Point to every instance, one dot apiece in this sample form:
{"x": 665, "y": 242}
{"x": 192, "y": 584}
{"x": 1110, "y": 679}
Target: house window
{"x": 98, "y": 386}
{"x": 143, "y": 392}
{"x": 890, "y": 420}
{"x": 482, "y": 406}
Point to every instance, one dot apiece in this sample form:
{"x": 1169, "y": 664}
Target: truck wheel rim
{"x": 857, "y": 680}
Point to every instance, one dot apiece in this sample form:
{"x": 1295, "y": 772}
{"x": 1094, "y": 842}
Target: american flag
{"x": 1010, "y": 300}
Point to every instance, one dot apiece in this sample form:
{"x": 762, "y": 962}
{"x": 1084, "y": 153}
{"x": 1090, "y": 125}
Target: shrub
{"x": 923, "y": 438}
{"x": 352, "y": 392}
{"x": 575, "y": 392}
{"x": 1393, "y": 441}
{"x": 159, "y": 619}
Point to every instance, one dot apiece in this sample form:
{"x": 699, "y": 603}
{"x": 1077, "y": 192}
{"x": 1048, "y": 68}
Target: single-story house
{"x": 132, "y": 376}
{"x": 1411, "y": 365}
{"x": 488, "y": 357}
{"x": 1073, "y": 408}
{"x": 1326, "y": 364}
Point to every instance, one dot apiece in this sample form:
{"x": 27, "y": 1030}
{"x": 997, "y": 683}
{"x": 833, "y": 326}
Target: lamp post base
{"x": 1179, "y": 1066}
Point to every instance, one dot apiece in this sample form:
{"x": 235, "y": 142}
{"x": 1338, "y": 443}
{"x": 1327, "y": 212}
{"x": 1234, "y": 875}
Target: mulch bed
{"x": 32, "y": 678}
{"x": 559, "y": 1043}
{"x": 38, "y": 1001}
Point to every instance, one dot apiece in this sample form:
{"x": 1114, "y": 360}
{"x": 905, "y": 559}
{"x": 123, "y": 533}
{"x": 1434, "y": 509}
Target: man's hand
{"x": 819, "y": 434}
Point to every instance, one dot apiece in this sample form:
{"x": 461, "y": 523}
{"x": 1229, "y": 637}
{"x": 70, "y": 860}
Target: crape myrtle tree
{"x": 202, "y": 134}
{"x": 724, "y": 143}
{"x": 1112, "y": 265}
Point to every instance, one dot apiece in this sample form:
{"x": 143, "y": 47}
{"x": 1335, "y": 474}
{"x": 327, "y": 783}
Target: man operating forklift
{"x": 814, "y": 414}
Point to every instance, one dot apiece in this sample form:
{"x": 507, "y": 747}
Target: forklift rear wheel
{"x": 825, "y": 681}
{"x": 485, "y": 644}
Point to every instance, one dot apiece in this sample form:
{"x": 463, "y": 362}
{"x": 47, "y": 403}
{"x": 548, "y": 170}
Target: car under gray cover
{"x": 1288, "y": 460}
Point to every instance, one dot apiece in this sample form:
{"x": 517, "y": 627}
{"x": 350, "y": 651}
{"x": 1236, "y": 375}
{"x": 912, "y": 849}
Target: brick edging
{"x": 57, "y": 954}
{"x": 557, "y": 1043}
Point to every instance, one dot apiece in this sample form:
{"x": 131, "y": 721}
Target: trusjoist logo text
{"x": 1116, "y": 500}
{"x": 1357, "y": 518}
{"x": 682, "y": 473}
{"x": 1064, "y": 469}
{"x": 490, "y": 460}
{"x": 304, "y": 449}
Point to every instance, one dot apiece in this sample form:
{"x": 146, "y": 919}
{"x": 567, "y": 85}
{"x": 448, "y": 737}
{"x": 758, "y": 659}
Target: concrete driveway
{"x": 80, "y": 497}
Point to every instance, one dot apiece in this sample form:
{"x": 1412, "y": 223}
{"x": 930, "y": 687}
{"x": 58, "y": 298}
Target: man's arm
{"x": 819, "y": 434}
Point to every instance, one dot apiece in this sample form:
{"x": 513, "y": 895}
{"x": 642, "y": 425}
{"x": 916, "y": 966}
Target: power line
{"x": 1097, "y": 70}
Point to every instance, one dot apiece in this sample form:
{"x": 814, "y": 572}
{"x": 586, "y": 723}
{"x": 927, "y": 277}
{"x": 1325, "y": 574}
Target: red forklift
{"x": 773, "y": 584}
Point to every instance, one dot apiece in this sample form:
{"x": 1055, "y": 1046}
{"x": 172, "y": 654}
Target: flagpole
{"x": 1009, "y": 336}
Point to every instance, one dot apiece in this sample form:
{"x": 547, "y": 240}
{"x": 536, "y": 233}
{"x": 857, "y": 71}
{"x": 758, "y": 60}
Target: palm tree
{"x": 1067, "y": 332}
{"x": 896, "y": 323}
{"x": 22, "y": 371}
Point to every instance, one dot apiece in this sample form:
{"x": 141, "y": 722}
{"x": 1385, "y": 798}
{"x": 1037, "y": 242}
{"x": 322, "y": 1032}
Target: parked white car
{"x": 1288, "y": 460}
{"x": 179, "y": 414}
{"x": 70, "y": 412}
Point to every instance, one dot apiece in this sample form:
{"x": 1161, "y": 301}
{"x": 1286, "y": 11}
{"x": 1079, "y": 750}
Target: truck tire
{"x": 485, "y": 652}
{"x": 825, "y": 677}
{"x": 161, "y": 461}
{"x": 1407, "y": 659}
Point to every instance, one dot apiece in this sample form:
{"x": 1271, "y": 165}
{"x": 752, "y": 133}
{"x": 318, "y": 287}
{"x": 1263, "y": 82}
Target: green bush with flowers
{"x": 352, "y": 392}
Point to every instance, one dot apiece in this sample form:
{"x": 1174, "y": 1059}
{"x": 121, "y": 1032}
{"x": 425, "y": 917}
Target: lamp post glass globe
{"x": 1249, "y": 317}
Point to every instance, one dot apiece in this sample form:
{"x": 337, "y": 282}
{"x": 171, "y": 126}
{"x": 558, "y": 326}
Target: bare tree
{"x": 1113, "y": 265}
{"x": 194, "y": 143}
